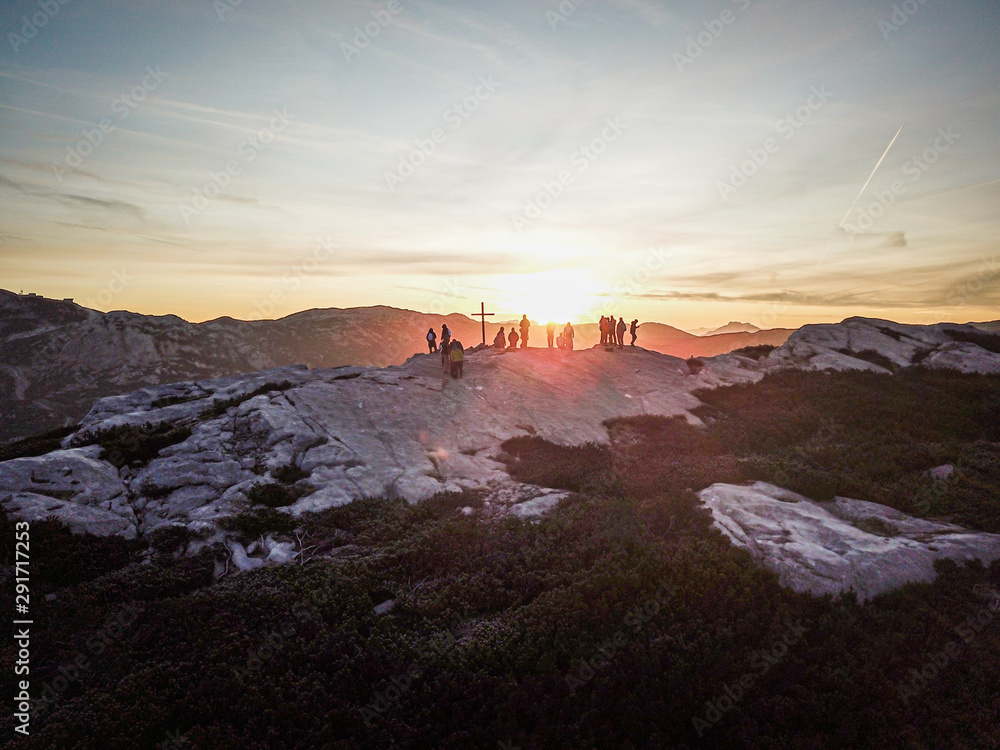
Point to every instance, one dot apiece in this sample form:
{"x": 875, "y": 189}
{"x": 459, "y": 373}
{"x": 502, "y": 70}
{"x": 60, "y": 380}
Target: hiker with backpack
{"x": 525, "y": 325}
{"x": 635, "y": 325}
{"x": 457, "y": 358}
{"x": 432, "y": 346}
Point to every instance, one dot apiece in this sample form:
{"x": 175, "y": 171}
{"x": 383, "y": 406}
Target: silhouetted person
{"x": 568, "y": 334}
{"x": 550, "y": 331}
{"x": 635, "y": 325}
{"x": 604, "y": 330}
{"x": 500, "y": 340}
{"x": 621, "y": 332}
{"x": 610, "y": 340}
{"x": 445, "y": 346}
{"x": 431, "y": 341}
{"x": 457, "y": 357}
{"x": 561, "y": 341}
{"x": 512, "y": 338}
{"x": 524, "y": 326}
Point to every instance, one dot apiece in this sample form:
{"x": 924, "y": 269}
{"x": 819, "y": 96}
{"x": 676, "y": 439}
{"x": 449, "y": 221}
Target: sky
{"x": 686, "y": 162}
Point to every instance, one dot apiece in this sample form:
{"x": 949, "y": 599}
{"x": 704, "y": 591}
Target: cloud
{"x": 116, "y": 206}
{"x": 842, "y": 299}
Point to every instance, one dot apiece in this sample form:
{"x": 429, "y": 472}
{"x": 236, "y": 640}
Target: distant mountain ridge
{"x": 732, "y": 326}
{"x": 57, "y": 357}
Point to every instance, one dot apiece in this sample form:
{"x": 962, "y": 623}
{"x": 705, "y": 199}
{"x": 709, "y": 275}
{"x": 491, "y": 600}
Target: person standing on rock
{"x": 457, "y": 358}
{"x": 568, "y": 334}
{"x": 432, "y": 346}
{"x": 609, "y": 339}
{"x": 512, "y": 338}
{"x": 500, "y": 340}
{"x": 525, "y": 325}
{"x": 445, "y": 346}
{"x": 621, "y": 332}
{"x": 632, "y": 329}
{"x": 604, "y": 330}
{"x": 550, "y": 332}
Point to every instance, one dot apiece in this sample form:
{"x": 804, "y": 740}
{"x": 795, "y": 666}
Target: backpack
{"x": 457, "y": 355}
{"x": 431, "y": 336}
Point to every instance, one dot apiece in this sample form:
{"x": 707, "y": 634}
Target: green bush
{"x": 988, "y": 341}
{"x": 261, "y": 521}
{"x": 270, "y": 495}
{"x": 220, "y": 407}
{"x": 128, "y": 445}
{"x": 37, "y": 445}
{"x": 289, "y": 474}
{"x": 755, "y": 352}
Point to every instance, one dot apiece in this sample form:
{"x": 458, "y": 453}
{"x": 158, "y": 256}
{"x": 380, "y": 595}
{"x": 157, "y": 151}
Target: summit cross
{"x": 482, "y": 315}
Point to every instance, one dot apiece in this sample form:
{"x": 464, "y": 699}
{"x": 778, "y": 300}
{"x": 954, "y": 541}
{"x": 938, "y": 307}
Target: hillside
{"x": 56, "y": 357}
{"x": 561, "y": 550}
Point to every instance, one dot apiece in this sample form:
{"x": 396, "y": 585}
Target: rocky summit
{"x": 330, "y": 436}
{"x": 196, "y": 452}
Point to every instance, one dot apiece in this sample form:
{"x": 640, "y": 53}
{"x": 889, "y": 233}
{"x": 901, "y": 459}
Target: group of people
{"x": 613, "y": 332}
{"x": 509, "y": 340}
{"x": 452, "y": 352}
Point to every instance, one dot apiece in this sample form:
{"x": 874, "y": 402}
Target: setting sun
{"x": 558, "y": 295}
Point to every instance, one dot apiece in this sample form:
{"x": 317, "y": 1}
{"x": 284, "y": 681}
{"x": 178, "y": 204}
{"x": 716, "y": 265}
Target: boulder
{"x": 847, "y": 545}
{"x": 81, "y": 519}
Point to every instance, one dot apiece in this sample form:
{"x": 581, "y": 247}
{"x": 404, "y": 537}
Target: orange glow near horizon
{"x": 558, "y": 295}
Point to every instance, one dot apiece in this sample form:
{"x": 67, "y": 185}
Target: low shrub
{"x": 36, "y": 445}
{"x": 136, "y": 445}
{"x": 220, "y": 407}
{"x": 261, "y": 521}
{"x": 984, "y": 339}
{"x": 289, "y": 474}
{"x": 755, "y": 352}
{"x": 270, "y": 495}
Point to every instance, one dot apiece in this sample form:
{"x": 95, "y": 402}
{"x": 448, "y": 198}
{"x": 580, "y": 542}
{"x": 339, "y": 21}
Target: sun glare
{"x": 560, "y": 295}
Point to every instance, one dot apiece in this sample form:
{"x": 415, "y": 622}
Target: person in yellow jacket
{"x": 457, "y": 356}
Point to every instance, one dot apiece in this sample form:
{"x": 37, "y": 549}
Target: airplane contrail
{"x": 871, "y": 176}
